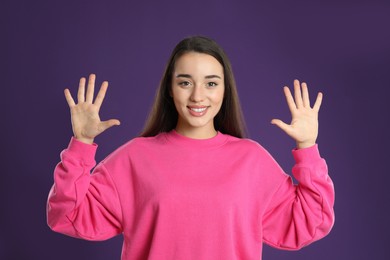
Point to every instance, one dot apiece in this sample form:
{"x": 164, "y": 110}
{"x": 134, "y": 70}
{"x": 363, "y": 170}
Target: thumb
{"x": 282, "y": 125}
{"x": 109, "y": 123}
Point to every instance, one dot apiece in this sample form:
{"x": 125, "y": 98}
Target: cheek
{"x": 178, "y": 100}
{"x": 219, "y": 96}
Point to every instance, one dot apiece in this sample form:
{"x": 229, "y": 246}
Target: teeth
{"x": 198, "y": 110}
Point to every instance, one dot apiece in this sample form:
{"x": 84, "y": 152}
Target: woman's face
{"x": 197, "y": 91}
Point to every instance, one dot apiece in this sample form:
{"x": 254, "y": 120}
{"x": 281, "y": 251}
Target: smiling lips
{"x": 197, "y": 111}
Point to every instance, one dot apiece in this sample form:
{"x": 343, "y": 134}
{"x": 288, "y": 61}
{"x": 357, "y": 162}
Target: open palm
{"x": 304, "y": 123}
{"x": 86, "y": 123}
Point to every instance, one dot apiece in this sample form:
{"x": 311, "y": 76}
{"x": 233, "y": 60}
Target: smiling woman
{"x": 202, "y": 50}
{"x": 197, "y": 92}
{"x": 192, "y": 187}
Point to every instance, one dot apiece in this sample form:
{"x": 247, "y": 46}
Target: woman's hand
{"x": 86, "y": 122}
{"x": 304, "y": 124}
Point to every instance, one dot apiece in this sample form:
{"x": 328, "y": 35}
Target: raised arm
{"x": 301, "y": 214}
{"x": 82, "y": 204}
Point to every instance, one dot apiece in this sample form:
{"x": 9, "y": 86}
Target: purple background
{"x": 339, "y": 47}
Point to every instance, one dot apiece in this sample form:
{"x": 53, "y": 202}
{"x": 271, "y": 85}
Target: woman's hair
{"x": 163, "y": 116}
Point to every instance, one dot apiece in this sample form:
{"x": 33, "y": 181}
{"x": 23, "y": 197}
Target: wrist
{"x": 305, "y": 145}
{"x": 84, "y": 140}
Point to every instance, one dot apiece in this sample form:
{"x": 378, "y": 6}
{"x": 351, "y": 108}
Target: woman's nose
{"x": 197, "y": 94}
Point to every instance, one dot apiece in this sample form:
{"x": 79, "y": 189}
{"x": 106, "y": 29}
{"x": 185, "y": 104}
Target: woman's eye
{"x": 184, "y": 83}
{"x": 212, "y": 84}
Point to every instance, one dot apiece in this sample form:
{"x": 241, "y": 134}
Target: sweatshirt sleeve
{"x": 300, "y": 214}
{"x": 81, "y": 204}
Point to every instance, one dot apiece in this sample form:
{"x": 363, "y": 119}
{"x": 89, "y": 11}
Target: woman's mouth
{"x": 197, "y": 111}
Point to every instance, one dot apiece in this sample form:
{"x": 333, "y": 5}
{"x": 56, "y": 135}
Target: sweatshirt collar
{"x": 181, "y": 140}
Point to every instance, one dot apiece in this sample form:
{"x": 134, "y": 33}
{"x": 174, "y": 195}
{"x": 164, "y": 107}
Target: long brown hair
{"x": 163, "y": 116}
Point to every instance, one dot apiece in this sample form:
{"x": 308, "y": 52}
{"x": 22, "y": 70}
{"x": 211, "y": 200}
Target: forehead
{"x": 195, "y": 62}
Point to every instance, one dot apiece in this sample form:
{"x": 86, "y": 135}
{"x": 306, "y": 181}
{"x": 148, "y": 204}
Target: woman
{"x": 191, "y": 187}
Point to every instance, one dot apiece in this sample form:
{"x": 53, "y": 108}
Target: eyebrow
{"x": 189, "y": 76}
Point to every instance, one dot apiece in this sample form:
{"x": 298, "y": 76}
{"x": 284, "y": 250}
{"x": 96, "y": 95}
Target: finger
{"x": 318, "y": 102}
{"x": 109, "y": 123}
{"x": 298, "y": 94}
{"x": 305, "y": 95}
{"x": 81, "y": 91}
{"x": 289, "y": 98}
{"x": 101, "y": 94}
{"x": 91, "y": 88}
{"x": 69, "y": 98}
{"x": 282, "y": 125}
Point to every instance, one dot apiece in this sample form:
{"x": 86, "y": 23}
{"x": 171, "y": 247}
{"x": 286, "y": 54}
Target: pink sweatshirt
{"x": 173, "y": 197}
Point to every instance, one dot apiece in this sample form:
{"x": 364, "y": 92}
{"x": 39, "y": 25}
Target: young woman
{"x": 192, "y": 187}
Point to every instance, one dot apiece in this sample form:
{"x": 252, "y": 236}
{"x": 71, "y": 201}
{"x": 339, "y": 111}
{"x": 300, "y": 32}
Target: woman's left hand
{"x": 304, "y": 123}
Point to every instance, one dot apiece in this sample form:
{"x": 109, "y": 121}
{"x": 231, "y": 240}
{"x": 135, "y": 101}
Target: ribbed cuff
{"x": 82, "y": 151}
{"x": 308, "y": 154}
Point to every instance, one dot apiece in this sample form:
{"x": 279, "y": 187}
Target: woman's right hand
{"x": 86, "y": 122}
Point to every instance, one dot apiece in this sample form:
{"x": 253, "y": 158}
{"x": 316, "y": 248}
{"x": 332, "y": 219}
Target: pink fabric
{"x": 173, "y": 197}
